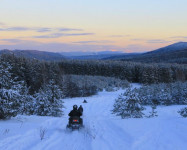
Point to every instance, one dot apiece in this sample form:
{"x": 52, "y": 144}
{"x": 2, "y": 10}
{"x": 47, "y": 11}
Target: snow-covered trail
{"x": 103, "y": 130}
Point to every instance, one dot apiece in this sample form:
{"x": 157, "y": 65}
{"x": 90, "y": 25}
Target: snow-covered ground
{"x": 103, "y": 130}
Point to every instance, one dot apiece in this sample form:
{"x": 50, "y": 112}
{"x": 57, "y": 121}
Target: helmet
{"x": 74, "y": 106}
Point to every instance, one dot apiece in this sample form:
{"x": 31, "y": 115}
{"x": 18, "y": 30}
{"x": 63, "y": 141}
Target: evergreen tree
{"x": 9, "y": 96}
{"x": 128, "y": 105}
{"x": 70, "y": 89}
{"x": 26, "y": 101}
{"x": 49, "y": 100}
{"x": 6, "y": 80}
{"x": 164, "y": 93}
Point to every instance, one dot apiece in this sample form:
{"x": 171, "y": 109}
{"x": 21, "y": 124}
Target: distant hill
{"x": 92, "y": 55}
{"x": 177, "y": 56}
{"x": 173, "y": 47}
{"x": 175, "y": 53}
{"x": 34, "y": 54}
{"x": 51, "y": 56}
{"x": 122, "y": 56}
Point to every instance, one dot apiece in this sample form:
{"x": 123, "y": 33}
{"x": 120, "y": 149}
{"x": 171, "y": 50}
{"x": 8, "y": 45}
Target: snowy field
{"x": 103, "y": 131}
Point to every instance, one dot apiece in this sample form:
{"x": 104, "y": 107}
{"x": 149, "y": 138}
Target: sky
{"x": 92, "y": 25}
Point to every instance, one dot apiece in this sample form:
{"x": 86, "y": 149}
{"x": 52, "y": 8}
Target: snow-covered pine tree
{"x": 55, "y": 99}
{"x": 128, "y": 105}
{"x": 164, "y": 95}
{"x": 26, "y": 100}
{"x": 49, "y": 100}
{"x": 6, "y": 80}
{"x": 42, "y": 104}
{"x": 9, "y": 95}
{"x": 179, "y": 92}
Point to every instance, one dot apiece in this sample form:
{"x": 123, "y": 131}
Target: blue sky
{"x": 85, "y": 25}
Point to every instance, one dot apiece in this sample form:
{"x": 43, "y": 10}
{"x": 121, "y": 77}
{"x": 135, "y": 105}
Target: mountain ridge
{"x": 174, "y": 53}
{"x": 34, "y": 54}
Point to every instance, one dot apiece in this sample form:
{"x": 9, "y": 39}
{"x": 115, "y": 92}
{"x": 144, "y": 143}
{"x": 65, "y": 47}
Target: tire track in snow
{"x": 20, "y": 142}
{"x": 161, "y": 137}
{"x": 62, "y": 139}
{"x": 111, "y": 137}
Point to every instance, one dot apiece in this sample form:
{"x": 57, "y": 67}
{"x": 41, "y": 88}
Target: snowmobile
{"x": 75, "y": 123}
{"x": 85, "y": 101}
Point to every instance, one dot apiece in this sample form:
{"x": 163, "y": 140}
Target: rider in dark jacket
{"x": 75, "y": 113}
{"x": 80, "y": 109}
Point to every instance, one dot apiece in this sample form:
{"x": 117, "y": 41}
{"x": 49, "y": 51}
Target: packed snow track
{"x": 103, "y": 130}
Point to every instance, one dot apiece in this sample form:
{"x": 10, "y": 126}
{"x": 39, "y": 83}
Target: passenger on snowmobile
{"x": 80, "y": 109}
{"x": 75, "y": 113}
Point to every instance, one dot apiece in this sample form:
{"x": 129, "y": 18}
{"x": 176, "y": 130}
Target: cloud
{"x": 84, "y": 42}
{"x": 84, "y": 46}
{"x": 119, "y": 36}
{"x": 151, "y": 41}
{"x": 179, "y": 37}
{"x": 93, "y": 46}
{"x": 69, "y": 29}
{"x": 53, "y": 35}
{"x": 57, "y": 35}
{"x": 37, "y": 29}
{"x": 137, "y": 48}
{"x": 12, "y": 40}
{"x": 44, "y": 29}
{"x": 52, "y": 32}
{"x": 138, "y": 39}
{"x": 2, "y": 24}
{"x": 78, "y": 34}
{"x": 90, "y": 42}
{"x": 15, "y": 29}
{"x": 157, "y": 41}
{"x": 55, "y": 47}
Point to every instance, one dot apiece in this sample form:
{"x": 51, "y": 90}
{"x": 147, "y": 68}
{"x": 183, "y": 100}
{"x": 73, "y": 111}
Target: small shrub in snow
{"x": 183, "y": 112}
{"x": 42, "y": 133}
{"x": 6, "y": 131}
{"x": 128, "y": 105}
{"x": 153, "y": 113}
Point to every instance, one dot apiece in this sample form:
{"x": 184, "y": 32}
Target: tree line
{"x": 29, "y": 86}
{"x": 130, "y": 103}
{"x": 130, "y": 71}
